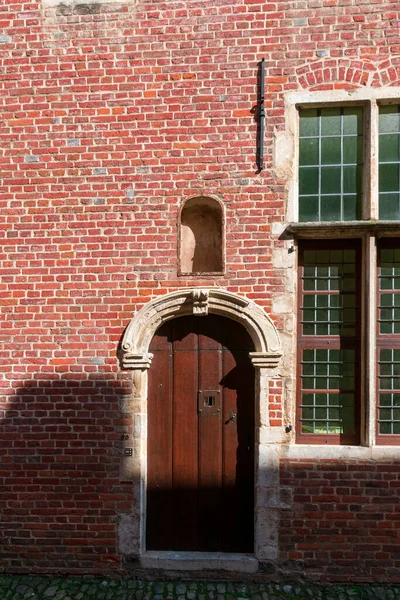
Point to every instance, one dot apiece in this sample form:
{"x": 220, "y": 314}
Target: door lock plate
{"x": 209, "y": 401}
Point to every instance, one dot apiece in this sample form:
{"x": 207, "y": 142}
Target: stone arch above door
{"x": 197, "y": 301}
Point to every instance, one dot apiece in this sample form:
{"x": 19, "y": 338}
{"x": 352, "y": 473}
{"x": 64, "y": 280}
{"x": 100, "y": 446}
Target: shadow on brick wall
{"x": 61, "y": 492}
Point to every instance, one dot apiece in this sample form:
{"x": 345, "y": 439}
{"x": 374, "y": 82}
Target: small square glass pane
{"x": 389, "y": 148}
{"x": 352, "y": 180}
{"x": 387, "y": 300}
{"x": 307, "y": 413}
{"x": 308, "y": 383}
{"x": 322, "y": 329}
{"x": 309, "y": 301}
{"x": 386, "y": 383}
{"x": 351, "y": 207}
{"x": 334, "y": 414}
{"x": 308, "y": 399}
{"x": 331, "y": 208}
{"x": 321, "y": 368}
{"x": 308, "y": 355}
{"x": 309, "y": 329}
{"x": 385, "y": 414}
{"x": 331, "y": 151}
{"x": 308, "y": 315}
{"x": 385, "y": 399}
{"x": 330, "y": 121}
{"x": 321, "y": 413}
{"x": 389, "y": 119}
{"x": 389, "y": 178}
{"x": 389, "y": 206}
{"x": 386, "y": 328}
{"x": 308, "y": 180}
{"x": 352, "y": 150}
{"x": 385, "y": 356}
{"x": 385, "y": 428}
{"x": 309, "y": 122}
{"x": 309, "y": 209}
{"x": 352, "y": 120}
{"x": 330, "y": 180}
{"x": 309, "y": 151}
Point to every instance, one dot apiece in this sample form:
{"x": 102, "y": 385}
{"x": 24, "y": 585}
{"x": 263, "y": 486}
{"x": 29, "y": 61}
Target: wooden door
{"x": 200, "y": 477}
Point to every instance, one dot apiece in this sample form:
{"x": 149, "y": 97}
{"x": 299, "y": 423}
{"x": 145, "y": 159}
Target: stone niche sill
{"x": 199, "y": 561}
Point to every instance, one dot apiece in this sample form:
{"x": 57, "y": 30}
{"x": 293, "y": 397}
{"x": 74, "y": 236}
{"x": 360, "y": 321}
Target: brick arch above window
{"x": 330, "y": 73}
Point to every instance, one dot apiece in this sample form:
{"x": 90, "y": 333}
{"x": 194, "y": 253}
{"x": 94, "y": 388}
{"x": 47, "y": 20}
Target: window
{"x": 329, "y": 342}
{"x": 348, "y": 230}
{"x": 388, "y": 342}
{"x": 389, "y": 162}
{"x": 330, "y": 164}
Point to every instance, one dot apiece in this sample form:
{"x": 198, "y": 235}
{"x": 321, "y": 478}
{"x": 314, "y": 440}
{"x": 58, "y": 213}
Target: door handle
{"x": 231, "y": 418}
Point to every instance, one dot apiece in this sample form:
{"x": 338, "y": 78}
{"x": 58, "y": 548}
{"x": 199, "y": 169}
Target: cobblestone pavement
{"x": 24, "y": 587}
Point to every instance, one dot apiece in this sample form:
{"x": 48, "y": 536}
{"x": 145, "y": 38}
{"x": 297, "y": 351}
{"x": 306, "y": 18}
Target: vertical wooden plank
{"x": 210, "y": 438}
{"x": 159, "y": 444}
{"x": 238, "y": 441}
{"x": 185, "y": 448}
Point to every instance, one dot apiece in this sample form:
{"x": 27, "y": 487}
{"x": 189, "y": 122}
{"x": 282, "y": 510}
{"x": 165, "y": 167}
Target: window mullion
{"x": 371, "y": 171}
{"x": 368, "y": 386}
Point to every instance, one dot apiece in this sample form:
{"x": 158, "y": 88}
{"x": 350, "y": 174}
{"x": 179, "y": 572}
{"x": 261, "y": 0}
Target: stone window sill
{"x": 330, "y": 229}
{"x": 305, "y": 451}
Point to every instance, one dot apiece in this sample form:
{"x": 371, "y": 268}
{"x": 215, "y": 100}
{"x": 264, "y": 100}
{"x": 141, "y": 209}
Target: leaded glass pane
{"x": 389, "y": 413}
{"x": 331, "y": 122}
{"x": 331, "y": 411}
{"x": 309, "y": 123}
{"x": 389, "y": 206}
{"x": 389, "y": 292}
{"x": 330, "y": 164}
{"x": 389, "y": 162}
{"x": 389, "y": 370}
{"x": 329, "y": 285}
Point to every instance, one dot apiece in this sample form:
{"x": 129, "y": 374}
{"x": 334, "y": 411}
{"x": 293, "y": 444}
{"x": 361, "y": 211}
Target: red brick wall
{"x": 110, "y": 116}
{"x": 345, "y": 521}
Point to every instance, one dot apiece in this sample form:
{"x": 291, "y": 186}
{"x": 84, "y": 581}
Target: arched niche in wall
{"x": 201, "y": 236}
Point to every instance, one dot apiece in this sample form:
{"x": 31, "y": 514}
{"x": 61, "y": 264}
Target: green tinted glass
{"x": 389, "y": 414}
{"x": 327, "y": 412}
{"x": 389, "y": 162}
{"x": 329, "y": 299}
{"x": 330, "y": 164}
{"x": 389, "y": 297}
{"x": 389, "y": 370}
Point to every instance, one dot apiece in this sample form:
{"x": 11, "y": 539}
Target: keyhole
{"x": 209, "y": 401}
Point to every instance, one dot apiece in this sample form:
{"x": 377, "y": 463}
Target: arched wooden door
{"x": 200, "y": 477}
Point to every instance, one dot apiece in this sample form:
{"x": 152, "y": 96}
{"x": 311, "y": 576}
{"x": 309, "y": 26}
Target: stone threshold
{"x": 199, "y": 561}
